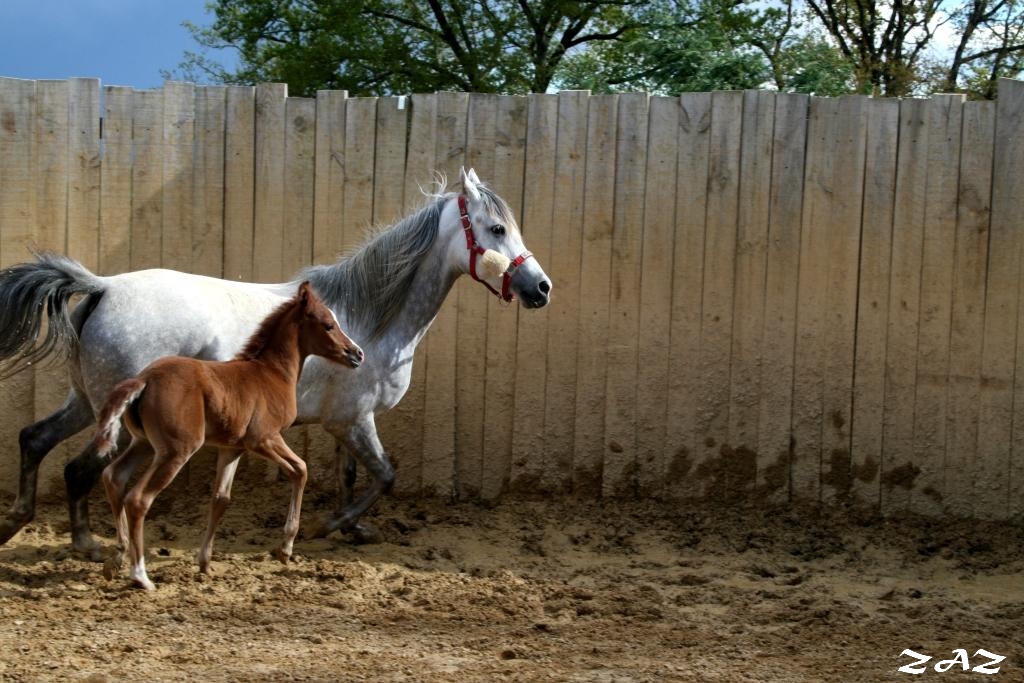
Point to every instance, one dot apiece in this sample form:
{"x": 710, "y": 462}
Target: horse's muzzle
{"x": 536, "y": 297}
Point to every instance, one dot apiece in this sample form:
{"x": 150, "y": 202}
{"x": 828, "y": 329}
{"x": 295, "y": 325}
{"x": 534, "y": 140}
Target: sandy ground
{"x": 524, "y": 591}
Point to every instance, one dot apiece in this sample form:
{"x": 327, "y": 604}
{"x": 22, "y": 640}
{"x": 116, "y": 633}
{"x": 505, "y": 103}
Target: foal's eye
{"x": 498, "y": 230}
{"x": 328, "y": 327}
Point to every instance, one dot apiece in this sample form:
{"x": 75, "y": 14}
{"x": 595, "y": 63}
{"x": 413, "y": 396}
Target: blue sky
{"x": 121, "y": 42}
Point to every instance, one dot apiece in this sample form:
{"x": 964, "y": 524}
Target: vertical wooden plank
{"x": 84, "y": 170}
{"x": 299, "y": 168}
{"x": 471, "y": 328}
{"x": 531, "y": 339}
{"x": 328, "y": 213}
{"x": 995, "y": 469}
{"x": 269, "y": 197}
{"x": 775, "y": 416}
{"x": 209, "y": 189}
{"x": 399, "y": 434}
{"x": 687, "y": 293}
{"x": 594, "y": 304}
{"x": 499, "y": 393}
{"x": 439, "y": 413}
{"x": 564, "y": 263}
{"x": 1008, "y": 205}
{"x": 656, "y": 294}
{"x": 147, "y": 179}
{"x": 944, "y": 114}
{"x": 407, "y": 445}
{"x": 808, "y": 371}
{"x": 840, "y": 313}
{"x": 360, "y": 139}
{"x": 620, "y": 465}
{"x": 967, "y": 322}
{"x": 179, "y": 140}
{"x": 116, "y": 181}
{"x": 750, "y": 278}
{"x": 898, "y": 469}
{"x": 50, "y": 166}
{"x": 715, "y": 462}
{"x": 239, "y": 181}
{"x": 389, "y": 163}
{"x": 17, "y": 222}
{"x": 873, "y": 300}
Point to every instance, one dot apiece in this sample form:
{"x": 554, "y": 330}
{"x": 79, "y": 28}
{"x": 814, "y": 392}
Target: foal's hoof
{"x": 281, "y": 556}
{"x": 112, "y": 567}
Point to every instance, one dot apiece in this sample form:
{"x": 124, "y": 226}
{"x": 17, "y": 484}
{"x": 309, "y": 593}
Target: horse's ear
{"x": 469, "y": 183}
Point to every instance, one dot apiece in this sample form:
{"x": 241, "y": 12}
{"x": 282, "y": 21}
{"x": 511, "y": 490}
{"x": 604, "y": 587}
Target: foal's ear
{"x": 305, "y": 294}
{"x": 469, "y": 183}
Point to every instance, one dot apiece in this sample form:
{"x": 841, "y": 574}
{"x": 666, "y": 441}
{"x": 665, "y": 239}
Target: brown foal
{"x": 176, "y": 404}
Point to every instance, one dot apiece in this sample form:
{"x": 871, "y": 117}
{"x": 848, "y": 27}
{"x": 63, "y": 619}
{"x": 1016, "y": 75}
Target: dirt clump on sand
{"x": 524, "y": 591}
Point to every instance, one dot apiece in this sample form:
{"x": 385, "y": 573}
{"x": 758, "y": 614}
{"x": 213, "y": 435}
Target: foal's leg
{"x": 276, "y": 450}
{"x": 167, "y": 462}
{"x": 361, "y": 440}
{"x": 36, "y": 441}
{"x": 227, "y": 463}
{"x": 115, "y": 482}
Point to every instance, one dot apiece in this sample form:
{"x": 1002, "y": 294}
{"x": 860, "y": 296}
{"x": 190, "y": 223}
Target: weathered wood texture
{"x": 757, "y": 296}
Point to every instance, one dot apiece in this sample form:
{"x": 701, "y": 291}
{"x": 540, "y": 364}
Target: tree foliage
{"x": 825, "y": 47}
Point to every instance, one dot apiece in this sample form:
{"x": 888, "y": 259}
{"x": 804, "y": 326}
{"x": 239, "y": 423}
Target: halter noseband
{"x": 475, "y": 250}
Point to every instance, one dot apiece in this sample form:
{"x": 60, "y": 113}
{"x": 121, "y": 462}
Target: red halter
{"x": 475, "y": 250}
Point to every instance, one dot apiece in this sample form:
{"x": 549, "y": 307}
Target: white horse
{"x": 385, "y": 294}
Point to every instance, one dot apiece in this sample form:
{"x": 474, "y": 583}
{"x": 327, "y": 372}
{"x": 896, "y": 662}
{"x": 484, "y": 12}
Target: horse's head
{"x": 319, "y": 331}
{"x": 492, "y": 249}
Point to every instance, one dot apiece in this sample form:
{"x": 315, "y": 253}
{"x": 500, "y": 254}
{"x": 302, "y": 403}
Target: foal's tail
{"x": 123, "y": 395}
{"x": 30, "y": 290}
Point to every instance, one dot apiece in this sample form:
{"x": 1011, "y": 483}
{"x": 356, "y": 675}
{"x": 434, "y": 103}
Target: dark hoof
{"x": 90, "y": 551}
{"x": 9, "y": 527}
{"x": 365, "y": 534}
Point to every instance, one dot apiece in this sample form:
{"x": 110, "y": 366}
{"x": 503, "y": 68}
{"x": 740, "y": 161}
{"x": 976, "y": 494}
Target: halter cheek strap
{"x": 475, "y": 250}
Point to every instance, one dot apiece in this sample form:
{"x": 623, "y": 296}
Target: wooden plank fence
{"x": 758, "y": 297}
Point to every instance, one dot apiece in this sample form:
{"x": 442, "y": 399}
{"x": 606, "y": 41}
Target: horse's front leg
{"x": 361, "y": 440}
{"x": 36, "y": 441}
{"x": 227, "y": 465}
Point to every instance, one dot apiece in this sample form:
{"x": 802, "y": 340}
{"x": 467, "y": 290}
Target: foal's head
{"x": 319, "y": 331}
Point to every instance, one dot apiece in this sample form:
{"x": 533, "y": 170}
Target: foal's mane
{"x": 257, "y": 343}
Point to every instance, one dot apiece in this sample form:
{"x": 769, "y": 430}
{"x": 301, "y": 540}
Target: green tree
{"x": 397, "y": 46}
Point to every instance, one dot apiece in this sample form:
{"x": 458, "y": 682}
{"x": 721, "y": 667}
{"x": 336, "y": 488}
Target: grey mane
{"x": 372, "y": 283}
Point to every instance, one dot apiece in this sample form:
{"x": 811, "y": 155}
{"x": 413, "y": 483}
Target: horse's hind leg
{"x": 227, "y": 464}
{"x": 115, "y": 482}
{"x": 161, "y": 472}
{"x": 36, "y": 441}
{"x": 80, "y": 476}
{"x": 346, "y": 464}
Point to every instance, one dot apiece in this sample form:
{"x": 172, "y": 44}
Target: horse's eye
{"x": 498, "y": 230}
{"x": 328, "y": 327}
